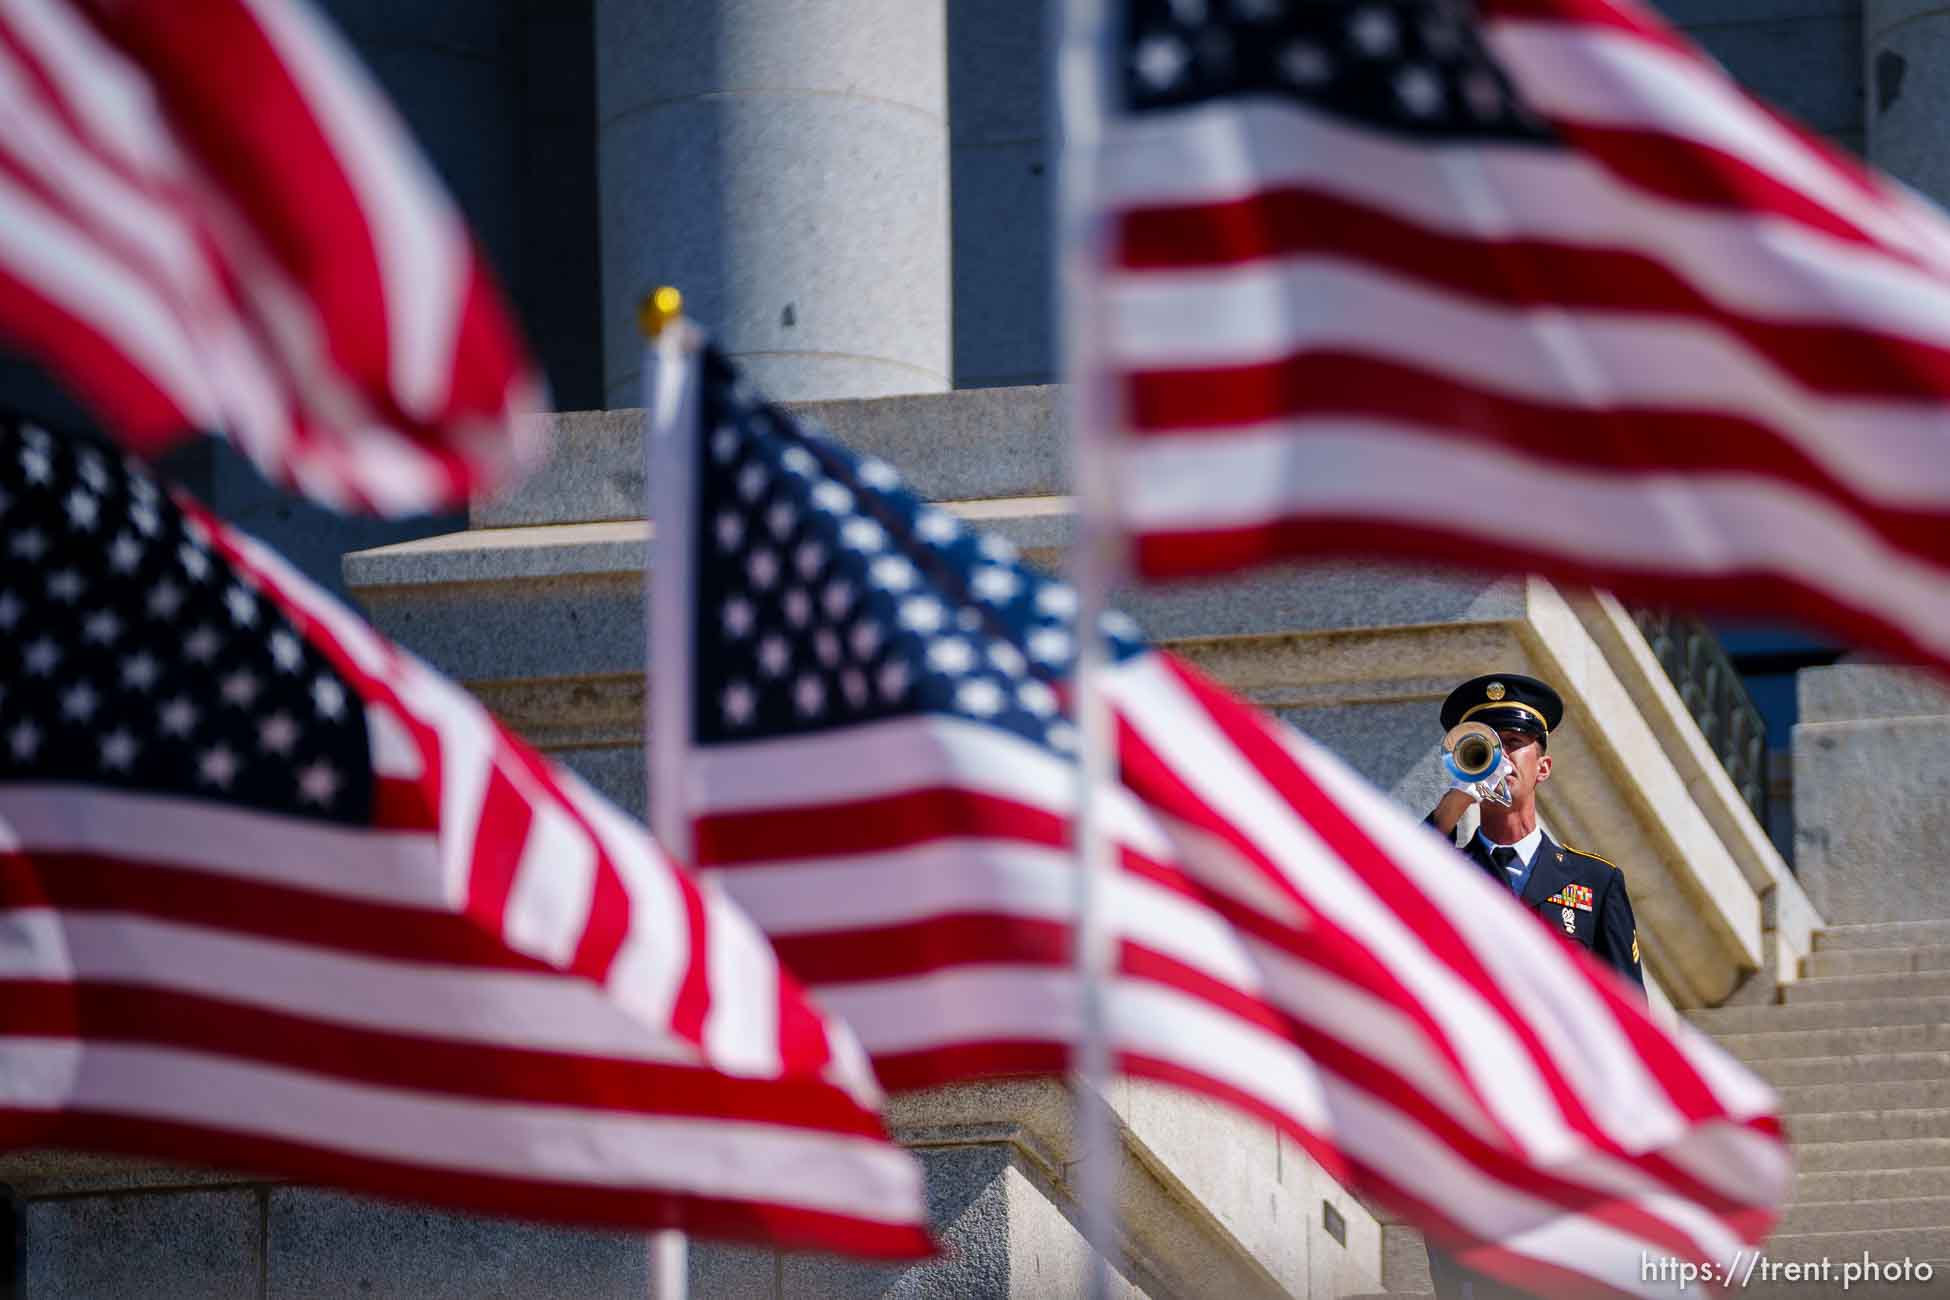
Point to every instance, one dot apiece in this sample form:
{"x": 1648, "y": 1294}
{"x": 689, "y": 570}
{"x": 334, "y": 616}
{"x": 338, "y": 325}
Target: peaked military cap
{"x": 1506, "y": 701}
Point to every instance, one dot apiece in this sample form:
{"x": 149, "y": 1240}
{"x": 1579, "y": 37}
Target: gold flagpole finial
{"x": 657, "y": 310}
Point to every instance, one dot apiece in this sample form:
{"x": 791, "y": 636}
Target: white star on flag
{"x": 240, "y": 688}
{"x": 739, "y": 703}
{"x": 277, "y": 734}
{"x": 83, "y": 510}
{"x": 165, "y": 598}
{"x": 119, "y": 750}
{"x": 329, "y": 697}
{"x": 79, "y": 702}
{"x": 124, "y": 554}
{"x": 202, "y": 644}
{"x": 217, "y": 766}
{"x": 24, "y": 740}
{"x": 177, "y": 717}
{"x": 318, "y": 783}
{"x": 286, "y": 654}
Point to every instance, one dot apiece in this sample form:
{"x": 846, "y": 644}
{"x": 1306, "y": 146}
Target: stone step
{"x": 1876, "y": 961}
{"x": 595, "y": 469}
{"x": 1906, "y": 1125}
{"x": 469, "y": 602}
{"x": 1890, "y": 1246}
{"x": 1869, "y": 988}
{"x": 1782, "y": 1289}
{"x": 1866, "y": 1216}
{"x": 1884, "y": 1067}
{"x": 1870, "y": 1185}
{"x": 1916, "y": 1244}
{"x": 1872, "y": 1012}
{"x": 1812, "y": 1157}
{"x": 1884, "y": 934}
{"x": 1907, "y": 1094}
{"x": 1927, "y": 1244}
{"x": 1867, "y": 1041}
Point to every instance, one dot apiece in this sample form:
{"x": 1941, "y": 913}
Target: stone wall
{"x": 1210, "y": 1204}
{"x": 96, "y": 1229}
{"x": 1872, "y": 793}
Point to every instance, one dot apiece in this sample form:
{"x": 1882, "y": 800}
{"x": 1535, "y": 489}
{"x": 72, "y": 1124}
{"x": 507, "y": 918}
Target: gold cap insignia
{"x": 1494, "y": 690}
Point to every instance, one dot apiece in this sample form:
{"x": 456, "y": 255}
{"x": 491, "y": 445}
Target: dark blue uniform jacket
{"x": 1581, "y": 897}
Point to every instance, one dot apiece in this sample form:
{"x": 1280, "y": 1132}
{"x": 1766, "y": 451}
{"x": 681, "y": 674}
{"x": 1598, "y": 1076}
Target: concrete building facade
{"x": 855, "y": 193}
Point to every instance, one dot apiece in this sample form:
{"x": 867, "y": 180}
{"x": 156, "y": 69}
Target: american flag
{"x": 210, "y": 221}
{"x": 275, "y": 896}
{"x": 1525, "y": 284}
{"x": 881, "y": 774}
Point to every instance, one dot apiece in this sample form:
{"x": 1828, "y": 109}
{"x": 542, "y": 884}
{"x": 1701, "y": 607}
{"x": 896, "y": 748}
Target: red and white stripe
{"x": 1290, "y": 942}
{"x": 1695, "y": 354}
{"x": 211, "y": 221}
{"x": 498, "y": 996}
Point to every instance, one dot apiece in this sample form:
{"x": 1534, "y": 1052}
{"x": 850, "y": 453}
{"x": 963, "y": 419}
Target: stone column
{"x": 785, "y": 163}
{"x": 1906, "y": 59}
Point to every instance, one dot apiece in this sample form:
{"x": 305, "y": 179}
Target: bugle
{"x": 1471, "y": 752}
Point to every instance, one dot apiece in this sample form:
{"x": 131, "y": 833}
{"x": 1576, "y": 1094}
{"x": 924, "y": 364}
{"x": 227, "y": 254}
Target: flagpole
{"x": 1080, "y": 38}
{"x": 670, "y": 374}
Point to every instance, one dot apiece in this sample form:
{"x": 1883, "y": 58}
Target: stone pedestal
{"x": 1209, "y": 1203}
{"x": 1872, "y": 793}
{"x": 786, "y": 165}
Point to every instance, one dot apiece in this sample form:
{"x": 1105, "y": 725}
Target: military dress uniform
{"x": 1579, "y": 896}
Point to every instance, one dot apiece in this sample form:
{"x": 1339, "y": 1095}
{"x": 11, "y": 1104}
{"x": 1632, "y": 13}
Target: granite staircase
{"x": 1860, "y": 1050}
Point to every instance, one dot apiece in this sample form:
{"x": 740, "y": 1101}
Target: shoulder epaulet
{"x": 1585, "y": 853}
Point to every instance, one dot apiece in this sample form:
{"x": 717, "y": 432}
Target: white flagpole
{"x": 670, "y": 382}
{"x": 1080, "y": 38}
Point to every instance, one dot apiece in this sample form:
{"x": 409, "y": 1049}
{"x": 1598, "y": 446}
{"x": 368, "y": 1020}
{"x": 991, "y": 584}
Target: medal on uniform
{"x": 1570, "y": 921}
{"x": 1578, "y": 896}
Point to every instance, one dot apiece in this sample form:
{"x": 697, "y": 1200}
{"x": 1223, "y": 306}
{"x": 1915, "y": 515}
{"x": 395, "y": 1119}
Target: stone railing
{"x": 1708, "y": 683}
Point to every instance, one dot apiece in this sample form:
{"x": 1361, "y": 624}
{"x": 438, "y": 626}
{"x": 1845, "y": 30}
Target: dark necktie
{"x": 1503, "y": 858}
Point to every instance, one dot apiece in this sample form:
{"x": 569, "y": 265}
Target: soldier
{"x": 1578, "y": 895}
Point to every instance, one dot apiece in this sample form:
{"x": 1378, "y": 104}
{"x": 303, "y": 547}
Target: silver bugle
{"x": 1471, "y": 752}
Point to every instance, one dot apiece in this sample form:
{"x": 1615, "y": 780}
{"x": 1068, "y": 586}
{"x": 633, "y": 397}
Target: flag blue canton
{"x": 830, "y": 594}
{"x": 133, "y": 656}
{"x": 1415, "y": 67}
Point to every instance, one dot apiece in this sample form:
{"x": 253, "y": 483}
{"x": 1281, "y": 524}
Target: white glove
{"x": 1480, "y": 790}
